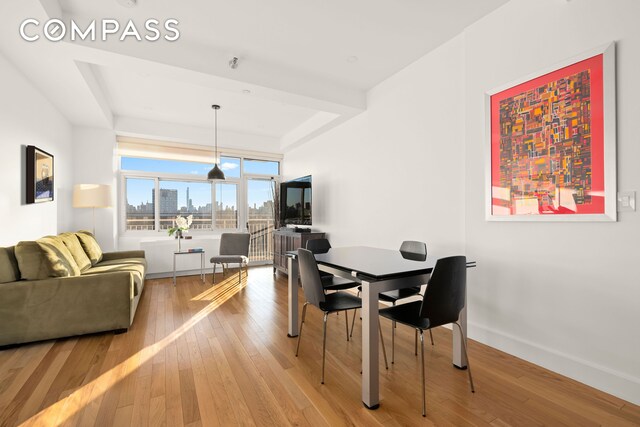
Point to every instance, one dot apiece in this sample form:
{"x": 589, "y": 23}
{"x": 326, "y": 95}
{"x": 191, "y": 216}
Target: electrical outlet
{"x": 626, "y": 201}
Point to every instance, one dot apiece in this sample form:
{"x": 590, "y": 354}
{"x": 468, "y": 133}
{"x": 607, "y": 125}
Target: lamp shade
{"x": 215, "y": 173}
{"x": 91, "y": 196}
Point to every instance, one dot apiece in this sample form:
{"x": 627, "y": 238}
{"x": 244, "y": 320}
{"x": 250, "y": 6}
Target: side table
{"x": 201, "y": 253}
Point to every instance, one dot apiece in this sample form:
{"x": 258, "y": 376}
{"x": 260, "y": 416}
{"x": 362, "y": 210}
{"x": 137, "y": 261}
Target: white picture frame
{"x": 608, "y": 145}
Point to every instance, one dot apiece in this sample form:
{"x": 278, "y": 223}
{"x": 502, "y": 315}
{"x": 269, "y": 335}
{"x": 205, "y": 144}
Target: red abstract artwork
{"x": 547, "y": 143}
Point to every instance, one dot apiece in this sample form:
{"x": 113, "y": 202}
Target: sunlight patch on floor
{"x": 61, "y": 411}
{"x": 221, "y": 289}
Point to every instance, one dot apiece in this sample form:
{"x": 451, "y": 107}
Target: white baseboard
{"x": 196, "y": 272}
{"x": 169, "y": 274}
{"x": 600, "y": 377}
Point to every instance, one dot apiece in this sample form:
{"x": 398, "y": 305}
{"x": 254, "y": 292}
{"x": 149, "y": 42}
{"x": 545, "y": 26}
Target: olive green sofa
{"x": 61, "y": 286}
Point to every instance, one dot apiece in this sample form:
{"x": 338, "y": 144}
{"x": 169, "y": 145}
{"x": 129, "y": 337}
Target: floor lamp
{"x": 92, "y": 196}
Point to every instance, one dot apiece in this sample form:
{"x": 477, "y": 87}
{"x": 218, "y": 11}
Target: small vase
{"x": 179, "y": 237}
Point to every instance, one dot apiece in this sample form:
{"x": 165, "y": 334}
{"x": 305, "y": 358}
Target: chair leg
{"x": 466, "y": 356}
{"x": 415, "y": 342}
{"x": 346, "y": 323}
{"x": 431, "y": 336}
{"x": 393, "y": 338}
{"x": 324, "y": 343}
{"x": 304, "y": 313}
{"x": 213, "y": 279}
{"x": 353, "y": 322}
{"x": 424, "y": 398}
{"x": 393, "y": 345}
{"x": 384, "y": 350}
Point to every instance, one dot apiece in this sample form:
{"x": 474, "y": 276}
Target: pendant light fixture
{"x": 216, "y": 173}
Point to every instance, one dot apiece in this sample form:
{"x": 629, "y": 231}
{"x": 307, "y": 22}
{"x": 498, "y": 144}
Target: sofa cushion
{"x": 90, "y": 246}
{"x": 31, "y": 261}
{"x": 136, "y": 266}
{"x": 72, "y": 243}
{"x": 59, "y": 259}
{"x": 9, "y": 271}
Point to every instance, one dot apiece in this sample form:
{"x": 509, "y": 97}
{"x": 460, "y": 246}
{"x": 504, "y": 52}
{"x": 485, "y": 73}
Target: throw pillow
{"x": 90, "y": 246}
{"x": 72, "y": 243}
{"x": 59, "y": 259}
{"x": 31, "y": 261}
{"x": 9, "y": 271}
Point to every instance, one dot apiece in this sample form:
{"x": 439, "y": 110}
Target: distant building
{"x": 168, "y": 200}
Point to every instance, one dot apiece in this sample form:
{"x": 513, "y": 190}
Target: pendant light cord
{"x": 216, "y": 134}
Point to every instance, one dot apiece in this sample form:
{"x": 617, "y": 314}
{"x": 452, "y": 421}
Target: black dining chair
{"x": 416, "y": 251}
{"x": 327, "y": 303}
{"x": 318, "y": 246}
{"x": 329, "y": 281}
{"x": 441, "y": 305}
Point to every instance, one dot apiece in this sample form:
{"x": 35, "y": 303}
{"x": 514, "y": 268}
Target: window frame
{"x": 241, "y": 194}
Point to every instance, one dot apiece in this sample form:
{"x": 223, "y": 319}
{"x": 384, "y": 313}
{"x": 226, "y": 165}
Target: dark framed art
{"x": 40, "y": 175}
{"x": 551, "y": 143}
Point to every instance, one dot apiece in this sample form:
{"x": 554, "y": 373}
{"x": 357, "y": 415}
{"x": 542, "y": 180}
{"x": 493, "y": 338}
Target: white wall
{"x": 562, "y": 295}
{"x": 28, "y": 118}
{"x": 95, "y": 163}
{"x": 396, "y": 171}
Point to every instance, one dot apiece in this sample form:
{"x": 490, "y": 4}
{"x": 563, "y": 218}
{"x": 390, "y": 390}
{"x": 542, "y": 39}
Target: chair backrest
{"x": 414, "y": 250}
{"x": 235, "y": 244}
{"x": 445, "y": 295}
{"x": 310, "y": 277}
{"x": 318, "y": 246}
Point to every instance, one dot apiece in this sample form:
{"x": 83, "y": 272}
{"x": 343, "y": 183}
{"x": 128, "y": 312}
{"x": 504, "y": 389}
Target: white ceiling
{"x": 145, "y": 96}
{"x": 314, "y": 37}
{"x": 293, "y": 60}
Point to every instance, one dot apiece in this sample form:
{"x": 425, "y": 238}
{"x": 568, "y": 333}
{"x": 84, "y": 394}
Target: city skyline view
{"x": 140, "y": 190}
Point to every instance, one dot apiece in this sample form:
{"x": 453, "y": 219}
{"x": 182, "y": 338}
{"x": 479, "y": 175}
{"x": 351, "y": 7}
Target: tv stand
{"x": 287, "y": 239}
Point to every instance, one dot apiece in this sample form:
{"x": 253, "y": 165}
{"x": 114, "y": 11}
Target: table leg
{"x": 459, "y": 361}
{"x": 370, "y": 362}
{"x": 293, "y": 297}
{"x": 174, "y": 269}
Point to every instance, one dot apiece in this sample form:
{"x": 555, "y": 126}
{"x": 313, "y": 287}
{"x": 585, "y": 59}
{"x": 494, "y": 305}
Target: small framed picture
{"x": 40, "y": 176}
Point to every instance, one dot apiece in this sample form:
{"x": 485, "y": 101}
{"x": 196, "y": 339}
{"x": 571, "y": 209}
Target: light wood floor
{"x": 203, "y": 355}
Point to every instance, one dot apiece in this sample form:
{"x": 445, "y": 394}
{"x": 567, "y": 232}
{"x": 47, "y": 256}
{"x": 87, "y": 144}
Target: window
{"x": 230, "y": 166}
{"x": 262, "y": 167}
{"x": 185, "y": 198}
{"x": 226, "y": 205}
{"x": 140, "y": 211}
{"x": 156, "y": 190}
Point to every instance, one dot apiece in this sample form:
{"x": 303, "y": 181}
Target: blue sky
{"x": 140, "y": 190}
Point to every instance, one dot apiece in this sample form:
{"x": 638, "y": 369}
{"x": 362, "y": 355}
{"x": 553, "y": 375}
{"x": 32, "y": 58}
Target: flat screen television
{"x": 295, "y": 201}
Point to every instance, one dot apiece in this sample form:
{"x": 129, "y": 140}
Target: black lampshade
{"x": 215, "y": 173}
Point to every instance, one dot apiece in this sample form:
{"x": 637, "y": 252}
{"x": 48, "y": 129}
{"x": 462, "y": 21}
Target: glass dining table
{"x": 377, "y": 270}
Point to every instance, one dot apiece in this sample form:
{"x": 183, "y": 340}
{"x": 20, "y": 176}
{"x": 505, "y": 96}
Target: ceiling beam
{"x": 97, "y": 91}
{"x": 208, "y": 66}
{"x": 51, "y": 8}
